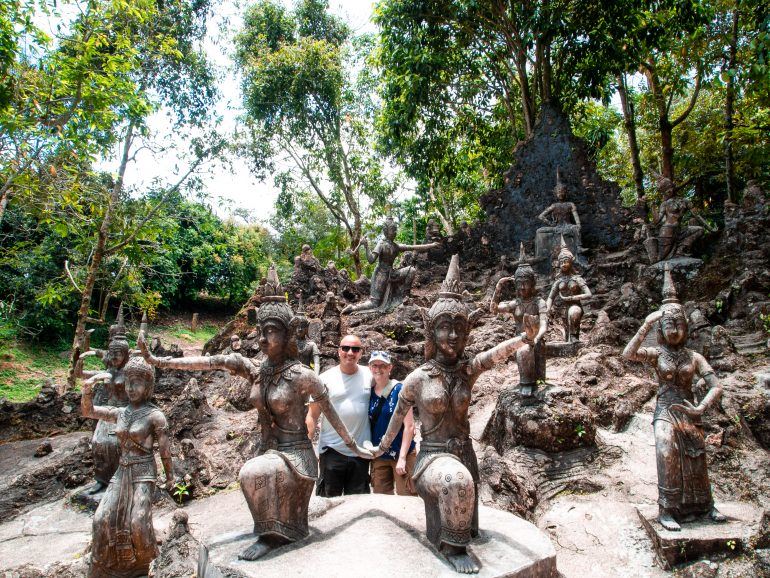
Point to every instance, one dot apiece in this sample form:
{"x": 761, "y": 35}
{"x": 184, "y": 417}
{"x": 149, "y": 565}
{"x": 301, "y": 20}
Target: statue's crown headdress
{"x": 450, "y": 297}
{"x": 273, "y": 300}
{"x": 669, "y": 289}
{"x": 118, "y": 329}
{"x": 564, "y": 252}
{"x": 524, "y": 270}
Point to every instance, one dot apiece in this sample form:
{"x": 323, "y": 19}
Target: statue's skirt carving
{"x": 277, "y": 486}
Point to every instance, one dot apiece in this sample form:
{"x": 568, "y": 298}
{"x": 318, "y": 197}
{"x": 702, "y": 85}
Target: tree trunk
{"x": 729, "y": 108}
{"x": 96, "y": 260}
{"x": 630, "y": 126}
{"x": 666, "y": 147}
{"x": 4, "y": 203}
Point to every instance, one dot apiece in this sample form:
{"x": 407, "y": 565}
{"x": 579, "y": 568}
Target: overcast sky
{"x": 234, "y": 186}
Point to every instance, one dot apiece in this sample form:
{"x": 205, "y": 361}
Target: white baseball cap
{"x": 383, "y": 356}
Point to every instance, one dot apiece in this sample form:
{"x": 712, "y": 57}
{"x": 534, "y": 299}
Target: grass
{"x": 179, "y": 331}
{"x": 25, "y": 368}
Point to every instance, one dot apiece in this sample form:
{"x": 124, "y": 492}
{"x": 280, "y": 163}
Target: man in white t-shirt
{"x": 349, "y": 384}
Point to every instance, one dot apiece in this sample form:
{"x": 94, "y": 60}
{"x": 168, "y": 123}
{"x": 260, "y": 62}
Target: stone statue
{"x": 673, "y": 236}
{"x": 446, "y": 472}
{"x": 684, "y": 491}
{"x": 567, "y": 292}
{"x": 308, "y": 352}
{"x": 389, "y": 285}
{"x": 529, "y": 312}
{"x": 235, "y": 344}
{"x": 432, "y": 231}
{"x": 123, "y": 536}
{"x": 562, "y": 220}
{"x": 277, "y": 484}
{"x": 112, "y": 393}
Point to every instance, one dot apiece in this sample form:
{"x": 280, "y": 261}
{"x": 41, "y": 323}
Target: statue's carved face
{"x": 389, "y": 230}
{"x": 561, "y": 192}
{"x": 272, "y": 339}
{"x": 117, "y": 355}
{"x": 673, "y": 328}
{"x": 565, "y": 265}
{"x": 525, "y": 287}
{"x": 450, "y": 334}
{"x": 302, "y": 327}
{"x": 138, "y": 388}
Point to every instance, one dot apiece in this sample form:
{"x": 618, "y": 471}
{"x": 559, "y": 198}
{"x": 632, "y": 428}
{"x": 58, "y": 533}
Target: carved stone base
{"x": 743, "y": 530}
{"x": 553, "y": 420}
{"x": 377, "y": 535}
{"x": 563, "y": 348}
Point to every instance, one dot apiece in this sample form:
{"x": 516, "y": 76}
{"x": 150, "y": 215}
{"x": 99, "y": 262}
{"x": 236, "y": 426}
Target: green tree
{"x": 310, "y": 110}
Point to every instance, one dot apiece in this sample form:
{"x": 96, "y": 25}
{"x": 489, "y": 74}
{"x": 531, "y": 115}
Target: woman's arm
{"x": 87, "y": 407}
{"x": 633, "y": 350}
{"x": 406, "y": 398}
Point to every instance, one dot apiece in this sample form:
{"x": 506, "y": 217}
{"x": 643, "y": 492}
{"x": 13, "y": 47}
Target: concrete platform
{"x": 743, "y": 530}
{"x": 376, "y": 535}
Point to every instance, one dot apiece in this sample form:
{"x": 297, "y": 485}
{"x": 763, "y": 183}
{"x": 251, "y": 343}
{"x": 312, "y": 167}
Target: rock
{"x": 43, "y": 449}
{"x": 555, "y": 422}
{"x": 381, "y": 525}
{"x": 743, "y": 528}
{"x": 178, "y": 556}
{"x": 701, "y": 569}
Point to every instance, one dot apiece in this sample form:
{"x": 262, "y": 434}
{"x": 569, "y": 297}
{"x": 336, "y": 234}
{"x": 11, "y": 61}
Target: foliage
{"x": 309, "y": 110}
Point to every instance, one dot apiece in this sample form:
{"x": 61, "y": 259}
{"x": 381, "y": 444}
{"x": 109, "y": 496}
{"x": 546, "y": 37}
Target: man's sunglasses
{"x": 353, "y": 348}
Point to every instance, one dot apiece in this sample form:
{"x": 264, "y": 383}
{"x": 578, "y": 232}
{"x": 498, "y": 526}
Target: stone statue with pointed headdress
{"x": 389, "y": 284}
{"x": 530, "y": 314}
{"x": 446, "y": 474}
{"x": 278, "y": 483}
{"x": 307, "y": 349}
{"x": 568, "y": 292}
{"x": 109, "y": 392}
{"x": 684, "y": 491}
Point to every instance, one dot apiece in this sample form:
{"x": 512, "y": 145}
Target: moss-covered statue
{"x": 684, "y": 491}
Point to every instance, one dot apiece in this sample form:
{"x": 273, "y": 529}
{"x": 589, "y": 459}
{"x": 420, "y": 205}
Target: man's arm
{"x": 311, "y": 419}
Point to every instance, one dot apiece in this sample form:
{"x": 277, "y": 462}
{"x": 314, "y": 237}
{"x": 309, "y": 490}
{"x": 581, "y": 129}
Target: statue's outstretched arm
{"x": 634, "y": 350}
{"x": 234, "y": 363}
{"x": 486, "y": 360}
{"x": 575, "y": 214}
{"x": 419, "y": 248}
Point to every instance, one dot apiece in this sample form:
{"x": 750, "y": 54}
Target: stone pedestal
{"x": 377, "y": 535}
{"x": 563, "y": 348}
{"x": 746, "y": 527}
{"x": 553, "y": 420}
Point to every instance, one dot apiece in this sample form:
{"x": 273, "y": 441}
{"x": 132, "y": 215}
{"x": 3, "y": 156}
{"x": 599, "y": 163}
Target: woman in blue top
{"x": 396, "y": 465}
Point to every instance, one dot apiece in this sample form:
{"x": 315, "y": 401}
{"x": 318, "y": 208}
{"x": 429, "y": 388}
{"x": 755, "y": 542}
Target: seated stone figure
{"x": 446, "y": 473}
{"x": 675, "y": 238}
{"x": 529, "y": 311}
{"x": 562, "y": 220}
{"x": 567, "y": 293}
{"x": 308, "y": 352}
{"x": 684, "y": 491}
{"x": 277, "y": 483}
{"x": 389, "y": 284}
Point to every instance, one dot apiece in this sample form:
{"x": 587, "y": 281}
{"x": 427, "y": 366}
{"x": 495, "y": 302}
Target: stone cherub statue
{"x": 277, "y": 483}
{"x": 567, "y": 292}
{"x": 389, "y": 285}
{"x": 123, "y": 535}
{"x": 529, "y": 312}
{"x": 112, "y": 393}
{"x": 308, "y": 352}
{"x": 446, "y": 472}
{"x": 673, "y": 236}
{"x": 684, "y": 491}
{"x": 562, "y": 221}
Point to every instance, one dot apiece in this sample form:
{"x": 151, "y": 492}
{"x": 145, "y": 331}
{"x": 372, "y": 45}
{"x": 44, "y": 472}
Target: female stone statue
{"x": 112, "y": 393}
{"x": 528, "y": 309}
{"x": 567, "y": 292}
{"x": 123, "y": 536}
{"x": 684, "y": 492}
{"x": 277, "y": 484}
{"x": 385, "y": 279}
{"x": 446, "y": 473}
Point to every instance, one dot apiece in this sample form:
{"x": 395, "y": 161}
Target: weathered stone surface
{"x": 742, "y": 530}
{"x": 563, "y": 348}
{"x": 556, "y": 420}
{"x": 512, "y": 211}
{"x": 362, "y": 533}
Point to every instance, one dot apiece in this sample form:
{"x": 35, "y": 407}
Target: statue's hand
{"x": 89, "y": 353}
{"x": 362, "y": 452}
{"x": 375, "y": 451}
{"x": 688, "y": 408}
